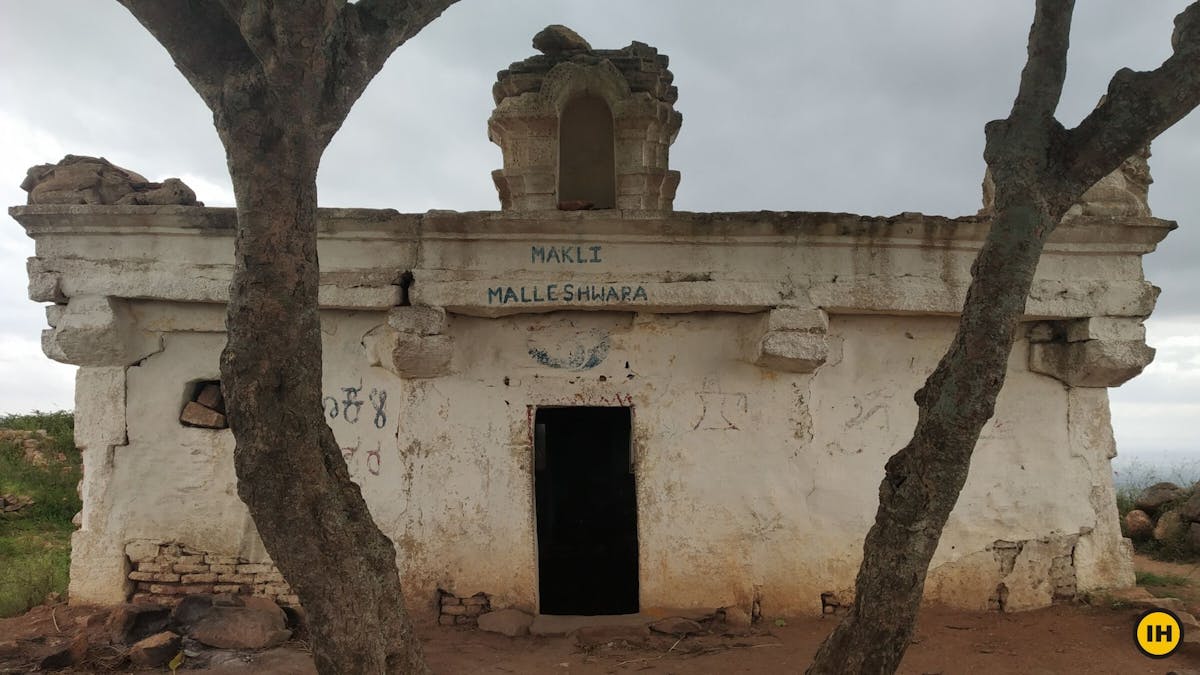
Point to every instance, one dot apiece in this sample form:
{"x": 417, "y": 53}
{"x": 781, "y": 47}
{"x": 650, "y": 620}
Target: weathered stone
{"x": 64, "y": 654}
{"x": 155, "y": 650}
{"x": 130, "y": 623}
{"x": 555, "y": 39}
{"x": 98, "y": 331}
{"x": 1138, "y": 525}
{"x": 677, "y": 626}
{"x": 189, "y": 568}
{"x": 254, "y": 568}
{"x": 210, "y": 397}
{"x": 190, "y": 610}
{"x": 197, "y": 415}
{"x": 199, "y": 578}
{"x": 511, "y": 622}
{"x": 240, "y": 628}
{"x": 793, "y": 351}
{"x": 1156, "y": 496}
{"x": 795, "y": 319}
{"x": 418, "y": 320}
{"x": 265, "y": 604}
{"x": 1193, "y": 537}
{"x": 1190, "y": 510}
{"x": 1169, "y": 526}
{"x": 1091, "y": 363}
{"x": 736, "y": 617}
{"x": 409, "y": 355}
{"x": 170, "y": 191}
{"x": 79, "y": 179}
{"x": 454, "y": 610}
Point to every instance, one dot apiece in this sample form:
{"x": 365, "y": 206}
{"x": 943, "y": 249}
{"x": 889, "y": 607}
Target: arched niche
{"x": 586, "y": 162}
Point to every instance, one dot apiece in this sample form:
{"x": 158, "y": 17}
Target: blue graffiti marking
{"x": 589, "y": 351}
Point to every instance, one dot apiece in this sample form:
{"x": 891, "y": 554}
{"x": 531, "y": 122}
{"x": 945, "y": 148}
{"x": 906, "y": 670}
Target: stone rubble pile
{"x": 1166, "y": 513}
{"x": 208, "y": 408}
{"x": 79, "y": 179}
{"x": 12, "y": 505}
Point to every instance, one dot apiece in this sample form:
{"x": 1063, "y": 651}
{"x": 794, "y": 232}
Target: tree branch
{"x": 205, "y": 45}
{"x": 1046, "y": 66}
{"x": 1138, "y": 107}
{"x": 366, "y": 35}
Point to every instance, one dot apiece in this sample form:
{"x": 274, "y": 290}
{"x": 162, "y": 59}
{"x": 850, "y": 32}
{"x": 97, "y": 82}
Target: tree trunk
{"x": 291, "y": 474}
{"x": 923, "y": 480}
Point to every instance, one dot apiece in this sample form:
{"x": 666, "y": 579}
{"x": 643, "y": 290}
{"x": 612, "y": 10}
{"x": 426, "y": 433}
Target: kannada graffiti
{"x": 503, "y": 295}
{"x": 349, "y": 407}
{"x": 374, "y": 458}
{"x": 542, "y": 255}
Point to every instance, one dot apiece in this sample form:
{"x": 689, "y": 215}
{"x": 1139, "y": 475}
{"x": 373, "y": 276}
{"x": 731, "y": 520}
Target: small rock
{"x": 197, "y": 415}
{"x": 1138, "y": 525}
{"x": 1190, "y": 511}
{"x": 737, "y": 617}
{"x": 65, "y": 654}
{"x": 1193, "y": 537}
{"x": 241, "y": 628}
{"x": 510, "y": 622}
{"x": 155, "y": 650}
{"x": 677, "y": 626}
{"x": 210, "y": 397}
{"x": 131, "y": 623}
{"x": 555, "y": 39}
{"x": 1169, "y": 526}
{"x": 265, "y": 604}
{"x": 1154, "y": 497}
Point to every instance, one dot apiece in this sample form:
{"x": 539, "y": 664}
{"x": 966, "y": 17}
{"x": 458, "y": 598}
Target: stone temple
{"x": 587, "y": 402}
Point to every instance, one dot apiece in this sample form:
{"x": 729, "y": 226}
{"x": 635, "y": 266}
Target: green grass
{"x": 1152, "y": 579}
{"x": 35, "y": 549}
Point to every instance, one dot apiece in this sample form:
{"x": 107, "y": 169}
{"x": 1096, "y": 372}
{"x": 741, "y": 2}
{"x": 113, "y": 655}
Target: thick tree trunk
{"x": 310, "y": 515}
{"x": 923, "y": 480}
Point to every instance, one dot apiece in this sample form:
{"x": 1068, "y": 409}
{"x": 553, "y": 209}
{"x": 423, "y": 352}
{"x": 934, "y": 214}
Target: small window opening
{"x": 586, "y": 511}
{"x": 586, "y": 169}
{"x": 205, "y": 406}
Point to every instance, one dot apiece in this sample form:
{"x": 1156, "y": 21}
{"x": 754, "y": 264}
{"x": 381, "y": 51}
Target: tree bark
{"x": 291, "y": 474}
{"x": 280, "y": 79}
{"x": 1039, "y": 170}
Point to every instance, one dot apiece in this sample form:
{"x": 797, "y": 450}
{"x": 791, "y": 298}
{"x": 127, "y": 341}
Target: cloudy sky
{"x": 860, "y": 106}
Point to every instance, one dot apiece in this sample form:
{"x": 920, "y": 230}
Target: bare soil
{"x": 1063, "y": 639}
{"x": 1095, "y": 639}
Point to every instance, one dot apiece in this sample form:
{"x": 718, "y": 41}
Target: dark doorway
{"x": 586, "y": 511}
{"x": 586, "y": 168}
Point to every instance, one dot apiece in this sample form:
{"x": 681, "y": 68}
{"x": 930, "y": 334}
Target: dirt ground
{"x": 1094, "y": 639}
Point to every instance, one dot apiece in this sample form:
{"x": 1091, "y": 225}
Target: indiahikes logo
{"x": 1158, "y": 633}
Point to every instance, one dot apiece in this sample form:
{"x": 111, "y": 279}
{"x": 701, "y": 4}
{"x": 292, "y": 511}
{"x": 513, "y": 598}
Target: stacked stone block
{"x": 465, "y": 611}
{"x": 165, "y": 572}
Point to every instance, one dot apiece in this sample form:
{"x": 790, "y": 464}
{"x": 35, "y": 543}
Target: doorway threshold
{"x": 564, "y": 624}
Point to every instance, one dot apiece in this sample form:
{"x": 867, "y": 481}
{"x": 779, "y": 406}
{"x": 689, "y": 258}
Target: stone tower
{"x": 585, "y": 128}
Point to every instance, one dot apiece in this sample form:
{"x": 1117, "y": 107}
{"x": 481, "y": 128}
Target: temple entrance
{"x": 586, "y": 511}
